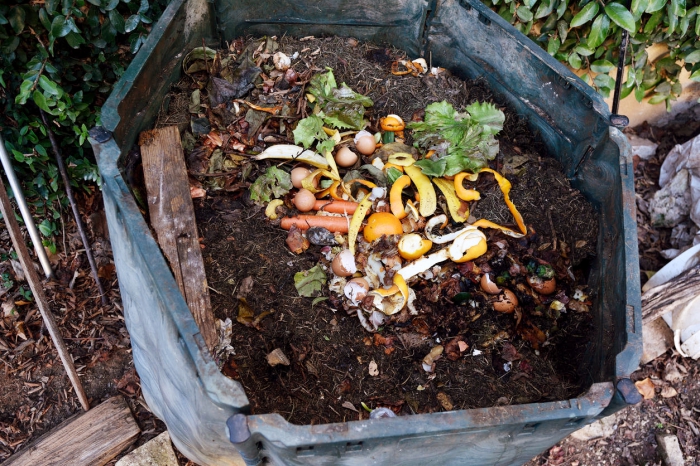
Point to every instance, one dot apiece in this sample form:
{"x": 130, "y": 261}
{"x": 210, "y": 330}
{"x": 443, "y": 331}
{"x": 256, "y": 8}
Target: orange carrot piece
{"x": 304, "y": 222}
{"x": 336, "y": 207}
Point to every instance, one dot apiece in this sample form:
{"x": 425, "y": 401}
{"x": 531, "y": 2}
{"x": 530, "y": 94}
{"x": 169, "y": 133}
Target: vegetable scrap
{"x": 381, "y": 214}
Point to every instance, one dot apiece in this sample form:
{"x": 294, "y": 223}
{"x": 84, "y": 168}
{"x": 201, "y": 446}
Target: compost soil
{"x": 331, "y": 375}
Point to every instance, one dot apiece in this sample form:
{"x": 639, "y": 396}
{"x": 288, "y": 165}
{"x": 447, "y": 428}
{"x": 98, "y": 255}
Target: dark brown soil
{"x": 330, "y": 352}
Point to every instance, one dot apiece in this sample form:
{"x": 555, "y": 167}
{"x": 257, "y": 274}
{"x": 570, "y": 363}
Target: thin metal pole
{"x": 620, "y": 71}
{"x": 38, "y": 292}
{"x": 24, "y": 210}
{"x": 74, "y": 206}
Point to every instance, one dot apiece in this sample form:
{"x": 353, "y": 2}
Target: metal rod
{"x": 74, "y": 207}
{"x": 24, "y": 210}
{"x": 620, "y": 71}
{"x": 38, "y": 292}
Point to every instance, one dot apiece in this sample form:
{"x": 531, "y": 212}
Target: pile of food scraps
{"x": 375, "y": 259}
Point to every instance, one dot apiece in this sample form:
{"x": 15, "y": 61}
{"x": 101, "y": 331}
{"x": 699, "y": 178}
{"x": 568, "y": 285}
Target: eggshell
{"x": 488, "y": 285}
{"x": 299, "y": 174}
{"x": 304, "y": 200}
{"x": 343, "y": 264}
{"x": 345, "y": 157}
{"x": 356, "y": 289}
{"x": 366, "y": 145}
{"x": 542, "y": 286}
{"x": 505, "y": 302}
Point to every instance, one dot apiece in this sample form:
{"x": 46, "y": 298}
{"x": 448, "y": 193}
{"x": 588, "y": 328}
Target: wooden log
{"x": 91, "y": 438}
{"x": 673, "y": 294}
{"x": 37, "y": 287}
{"x": 172, "y": 217}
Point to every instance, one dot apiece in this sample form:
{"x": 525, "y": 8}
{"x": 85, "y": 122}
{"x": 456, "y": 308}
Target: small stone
{"x": 671, "y": 204}
{"x": 603, "y": 428}
{"x": 643, "y": 148}
{"x": 277, "y": 357}
{"x": 670, "y": 449}
{"x": 155, "y": 452}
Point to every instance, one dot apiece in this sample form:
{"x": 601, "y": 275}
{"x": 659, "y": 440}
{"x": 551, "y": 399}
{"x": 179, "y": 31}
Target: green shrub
{"x": 586, "y": 35}
{"x": 62, "y": 56}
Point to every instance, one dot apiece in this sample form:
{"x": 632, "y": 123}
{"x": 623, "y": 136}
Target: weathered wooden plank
{"x": 675, "y": 293}
{"x": 91, "y": 438}
{"x": 172, "y": 217}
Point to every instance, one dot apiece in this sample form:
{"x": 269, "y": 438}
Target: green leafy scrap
{"x": 309, "y": 283}
{"x": 308, "y": 131}
{"x": 462, "y": 141}
{"x": 339, "y": 107}
{"x": 274, "y": 183}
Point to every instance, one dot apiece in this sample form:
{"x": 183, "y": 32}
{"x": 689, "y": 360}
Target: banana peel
{"x": 395, "y": 202}
{"x": 310, "y": 182}
{"x": 356, "y": 222}
{"x": 428, "y": 198}
{"x": 458, "y": 209}
{"x": 292, "y": 152}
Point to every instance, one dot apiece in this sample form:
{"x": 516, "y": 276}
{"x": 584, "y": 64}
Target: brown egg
{"x": 366, "y": 145}
{"x": 356, "y": 289}
{"x": 304, "y": 200}
{"x": 343, "y": 264}
{"x": 541, "y": 285}
{"x": 505, "y": 302}
{"x": 299, "y": 174}
{"x": 489, "y": 286}
{"x": 345, "y": 157}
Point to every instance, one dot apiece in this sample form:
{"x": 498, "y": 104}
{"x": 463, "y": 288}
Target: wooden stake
{"x": 87, "y": 439}
{"x": 37, "y": 290}
{"x": 172, "y": 217}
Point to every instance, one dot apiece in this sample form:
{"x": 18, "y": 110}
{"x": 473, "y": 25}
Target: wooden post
{"x": 87, "y": 439}
{"x": 673, "y": 294}
{"x": 172, "y": 217}
{"x": 38, "y": 292}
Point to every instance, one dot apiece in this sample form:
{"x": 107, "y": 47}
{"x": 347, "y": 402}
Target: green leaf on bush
{"x": 584, "y": 50}
{"x": 16, "y": 17}
{"x": 132, "y": 23}
{"x": 602, "y": 66}
{"x": 40, "y": 101}
{"x": 524, "y": 13}
{"x": 553, "y": 45}
{"x": 561, "y": 9}
{"x": 563, "y": 30}
{"x": 655, "y": 5}
{"x": 657, "y": 99}
{"x": 653, "y": 22}
{"x": 678, "y": 7}
{"x": 59, "y": 28}
{"x": 586, "y": 14}
{"x": 638, "y": 6}
{"x": 117, "y": 21}
{"x": 49, "y": 86}
{"x": 575, "y": 60}
{"x": 672, "y": 21}
{"x": 545, "y": 9}
{"x": 639, "y": 93}
{"x": 620, "y": 16}
{"x": 693, "y": 57}
{"x": 599, "y": 31}
{"x": 605, "y": 81}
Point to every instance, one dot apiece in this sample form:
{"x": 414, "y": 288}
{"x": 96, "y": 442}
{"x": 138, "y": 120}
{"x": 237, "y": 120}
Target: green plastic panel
{"x": 180, "y": 381}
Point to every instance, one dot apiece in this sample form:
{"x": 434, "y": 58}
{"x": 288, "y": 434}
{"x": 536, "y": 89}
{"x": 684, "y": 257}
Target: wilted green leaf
{"x": 309, "y": 283}
{"x": 620, "y": 16}
{"x": 586, "y": 14}
{"x": 274, "y": 183}
{"x": 392, "y": 174}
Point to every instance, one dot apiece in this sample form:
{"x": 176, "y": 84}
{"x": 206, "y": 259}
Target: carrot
{"x": 304, "y": 222}
{"x": 336, "y": 207}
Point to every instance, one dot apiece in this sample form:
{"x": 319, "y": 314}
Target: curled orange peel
{"x": 395, "y": 202}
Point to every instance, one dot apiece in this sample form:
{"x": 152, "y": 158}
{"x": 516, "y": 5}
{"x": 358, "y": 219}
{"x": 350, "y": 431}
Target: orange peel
{"x": 395, "y": 202}
{"x": 462, "y": 192}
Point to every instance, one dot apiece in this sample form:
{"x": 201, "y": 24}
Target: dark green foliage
{"x": 62, "y": 56}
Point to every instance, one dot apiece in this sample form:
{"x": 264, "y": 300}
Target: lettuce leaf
{"x": 463, "y": 141}
{"x": 308, "y": 131}
{"x": 340, "y": 107}
{"x": 273, "y": 183}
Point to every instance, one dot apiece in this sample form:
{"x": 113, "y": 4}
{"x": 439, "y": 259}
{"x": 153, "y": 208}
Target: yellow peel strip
{"x": 331, "y": 163}
{"x": 505, "y": 186}
{"x": 428, "y": 199}
{"x": 356, "y": 222}
{"x": 483, "y": 223}
{"x": 463, "y": 193}
{"x": 401, "y": 159}
{"x": 270, "y": 210}
{"x": 453, "y": 202}
{"x": 308, "y": 182}
{"x": 395, "y": 201}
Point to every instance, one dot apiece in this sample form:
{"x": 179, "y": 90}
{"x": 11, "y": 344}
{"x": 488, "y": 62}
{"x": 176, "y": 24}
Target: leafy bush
{"x": 586, "y": 35}
{"x": 62, "y": 56}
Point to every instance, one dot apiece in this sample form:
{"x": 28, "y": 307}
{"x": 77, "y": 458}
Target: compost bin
{"x": 205, "y": 412}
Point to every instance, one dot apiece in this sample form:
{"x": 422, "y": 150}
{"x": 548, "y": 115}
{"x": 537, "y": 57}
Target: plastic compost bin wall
{"x": 180, "y": 380}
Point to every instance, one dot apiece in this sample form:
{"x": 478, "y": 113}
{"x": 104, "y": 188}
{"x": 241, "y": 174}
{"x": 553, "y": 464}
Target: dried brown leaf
{"x": 646, "y": 388}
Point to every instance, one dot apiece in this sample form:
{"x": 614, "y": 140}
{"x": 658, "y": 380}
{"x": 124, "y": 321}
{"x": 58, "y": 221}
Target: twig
{"x": 554, "y": 232}
{"x": 74, "y": 206}
{"x": 38, "y": 291}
